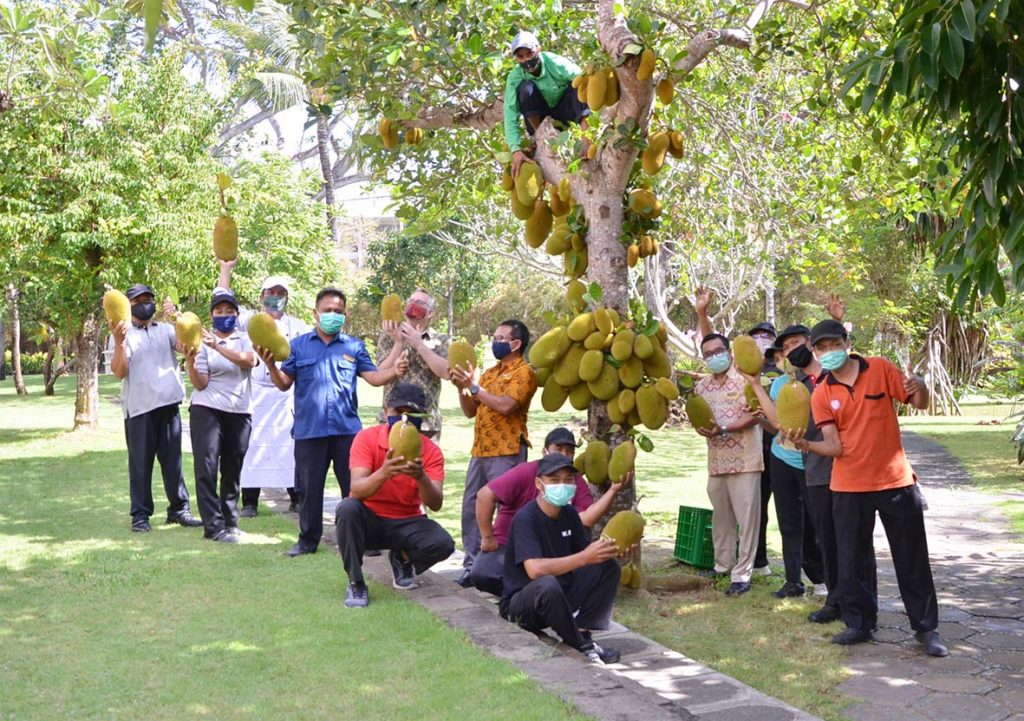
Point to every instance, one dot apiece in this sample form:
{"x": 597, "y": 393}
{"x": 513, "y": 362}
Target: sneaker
{"x": 820, "y": 589}
{"x": 402, "y": 571}
{"x": 185, "y": 519}
{"x": 737, "y": 588}
{"x": 933, "y": 645}
{"x": 599, "y": 656}
{"x": 358, "y": 596}
{"x": 790, "y": 590}
{"x": 224, "y": 537}
{"x": 247, "y": 512}
{"x": 763, "y": 571}
{"x": 851, "y": 636}
{"x": 141, "y": 526}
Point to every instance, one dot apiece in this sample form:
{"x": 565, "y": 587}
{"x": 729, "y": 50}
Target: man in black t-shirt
{"x": 555, "y": 576}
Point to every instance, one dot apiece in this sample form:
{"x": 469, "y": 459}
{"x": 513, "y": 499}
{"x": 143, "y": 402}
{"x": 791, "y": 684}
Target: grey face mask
{"x": 275, "y": 302}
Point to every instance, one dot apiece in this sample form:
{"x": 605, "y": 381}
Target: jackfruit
{"x": 633, "y": 418}
{"x": 666, "y": 90}
{"x": 575, "y": 262}
{"x": 611, "y": 92}
{"x": 654, "y": 156}
{"x": 506, "y": 182}
{"x": 667, "y": 388}
{"x": 606, "y": 385}
{"x": 581, "y": 326}
{"x": 644, "y": 203}
{"x": 391, "y": 308}
{"x": 793, "y": 406}
{"x": 388, "y": 133}
{"x": 591, "y": 364}
{"x": 414, "y": 136}
{"x": 699, "y": 412}
{"x": 631, "y": 373}
{"x": 574, "y": 293}
{"x": 620, "y": 465}
{"x": 596, "y": 87}
{"x": 522, "y": 212}
{"x": 567, "y": 370}
{"x": 626, "y": 574}
{"x": 580, "y": 396}
{"x": 549, "y": 348}
{"x": 577, "y": 241}
{"x": 662, "y": 334}
{"x": 636, "y": 576}
{"x": 538, "y": 227}
{"x": 658, "y": 365}
{"x": 263, "y": 332}
{"x": 632, "y": 255}
{"x": 558, "y": 242}
{"x": 592, "y": 151}
{"x": 652, "y": 407}
{"x": 404, "y": 440}
{"x": 189, "y": 330}
{"x": 581, "y": 89}
{"x": 645, "y": 69}
{"x": 529, "y": 183}
{"x": 747, "y": 355}
{"x": 598, "y": 340}
{"x": 559, "y": 208}
{"x": 542, "y": 375}
{"x": 752, "y": 400}
{"x": 225, "y": 238}
{"x": 461, "y": 355}
{"x": 117, "y": 307}
{"x": 622, "y": 346}
{"x": 615, "y": 415}
{"x": 642, "y": 347}
{"x": 626, "y": 400}
{"x": 553, "y": 396}
{"x": 675, "y": 144}
{"x": 603, "y": 320}
{"x": 596, "y": 469}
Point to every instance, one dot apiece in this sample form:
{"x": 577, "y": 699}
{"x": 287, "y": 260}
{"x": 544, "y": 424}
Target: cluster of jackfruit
{"x": 645, "y": 71}
{"x": 388, "y": 132}
{"x": 597, "y": 87}
{"x": 641, "y": 247}
{"x": 659, "y": 144}
{"x": 602, "y": 466}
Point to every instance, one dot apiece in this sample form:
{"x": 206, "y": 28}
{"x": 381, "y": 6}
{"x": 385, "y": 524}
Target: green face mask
{"x": 834, "y": 360}
{"x": 332, "y": 323}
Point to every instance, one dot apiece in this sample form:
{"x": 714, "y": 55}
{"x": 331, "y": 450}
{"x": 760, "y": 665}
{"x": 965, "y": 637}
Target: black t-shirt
{"x": 534, "y": 535}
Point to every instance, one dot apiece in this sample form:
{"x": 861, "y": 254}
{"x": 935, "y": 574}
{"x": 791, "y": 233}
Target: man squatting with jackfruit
{"x": 540, "y": 86}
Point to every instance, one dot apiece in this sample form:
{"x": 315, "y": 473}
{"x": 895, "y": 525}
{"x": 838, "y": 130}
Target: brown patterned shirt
{"x": 740, "y": 451}
{"x": 496, "y": 434}
{"x": 419, "y": 374}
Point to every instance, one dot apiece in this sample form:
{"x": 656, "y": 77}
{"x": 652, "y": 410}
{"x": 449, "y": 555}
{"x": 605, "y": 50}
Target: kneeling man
{"x": 385, "y": 506}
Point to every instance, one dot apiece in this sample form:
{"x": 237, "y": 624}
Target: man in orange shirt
{"x": 853, "y": 408}
{"x": 499, "y": 404}
{"x": 384, "y": 509}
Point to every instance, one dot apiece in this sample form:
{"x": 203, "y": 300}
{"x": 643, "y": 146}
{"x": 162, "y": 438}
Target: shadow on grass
{"x": 25, "y": 435}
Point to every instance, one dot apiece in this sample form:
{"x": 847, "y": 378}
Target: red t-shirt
{"x": 518, "y": 486}
{"x": 873, "y": 457}
{"x": 399, "y": 496}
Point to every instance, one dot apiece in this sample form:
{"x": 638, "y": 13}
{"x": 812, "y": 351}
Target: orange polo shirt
{"x": 496, "y": 434}
{"x": 873, "y": 457}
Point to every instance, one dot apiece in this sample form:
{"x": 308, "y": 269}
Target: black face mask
{"x": 532, "y": 65}
{"x": 144, "y": 310}
{"x": 800, "y": 356}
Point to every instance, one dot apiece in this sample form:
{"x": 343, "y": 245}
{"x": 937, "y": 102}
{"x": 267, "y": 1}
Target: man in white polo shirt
{"x": 151, "y": 391}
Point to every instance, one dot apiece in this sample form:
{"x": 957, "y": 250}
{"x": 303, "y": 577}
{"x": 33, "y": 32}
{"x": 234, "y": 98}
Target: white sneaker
{"x": 763, "y": 571}
{"x": 820, "y": 589}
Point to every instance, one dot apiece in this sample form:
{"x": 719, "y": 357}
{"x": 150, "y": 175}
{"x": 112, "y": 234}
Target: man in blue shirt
{"x": 324, "y": 366}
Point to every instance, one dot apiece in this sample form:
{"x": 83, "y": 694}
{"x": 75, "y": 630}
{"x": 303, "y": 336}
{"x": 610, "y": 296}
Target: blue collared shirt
{"x": 325, "y": 384}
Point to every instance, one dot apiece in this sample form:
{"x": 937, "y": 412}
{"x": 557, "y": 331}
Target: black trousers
{"x": 312, "y": 458}
{"x": 488, "y": 571}
{"x": 551, "y": 602}
{"x": 818, "y": 502}
{"x": 761, "y": 556}
{"x": 155, "y": 434}
{"x": 799, "y": 548}
{"x": 251, "y": 497}
{"x": 532, "y": 105}
{"x": 219, "y": 439}
{"x": 358, "y": 528}
{"x": 903, "y": 520}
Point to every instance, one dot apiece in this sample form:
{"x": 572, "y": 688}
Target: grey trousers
{"x": 481, "y": 471}
{"x": 735, "y": 499}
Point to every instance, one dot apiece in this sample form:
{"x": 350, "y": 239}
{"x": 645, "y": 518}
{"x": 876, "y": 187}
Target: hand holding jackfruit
{"x": 263, "y": 332}
{"x": 225, "y": 238}
{"x": 747, "y": 354}
{"x": 699, "y": 412}
{"x": 461, "y": 355}
{"x": 117, "y": 308}
{"x": 793, "y": 407}
{"x": 391, "y": 308}
{"x": 404, "y": 440}
{"x": 189, "y": 330}
{"x": 626, "y": 528}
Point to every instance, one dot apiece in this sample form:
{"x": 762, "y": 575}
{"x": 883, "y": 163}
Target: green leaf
{"x": 952, "y": 53}
{"x": 595, "y": 292}
{"x": 371, "y": 13}
{"x": 999, "y": 292}
{"x": 632, "y": 49}
{"x": 644, "y": 442}
{"x": 930, "y": 37}
{"x": 247, "y": 5}
{"x": 1003, "y": 10}
{"x": 652, "y": 327}
{"x": 928, "y": 66}
{"x": 963, "y": 20}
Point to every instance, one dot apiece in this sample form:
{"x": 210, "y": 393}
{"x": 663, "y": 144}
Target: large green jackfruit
{"x": 598, "y": 341}
{"x": 404, "y": 440}
{"x": 520, "y": 210}
{"x": 645, "y": 69}
{"x": 626, "y": 400}
{"x": 631, "y": 373}
{"x": 614, "y": 414}
{"x": 461, "y": 355}
{"x": 574, "y": 262}
{"x": 553, "y": 396}
{"x": 549, "y": 348}
{"x": 580, "y": 396}
{"x": 793, "y": 406}
{"x": 117, "y": 308}
{"x": 225, "y": 238}
{"x": 642, "y": 347}
{"x": 542, "y": 375}
{"x": 591, "y": 364}
{"x": 529, "y": 183}
{"x": 391, "y": 308}
{"x": 597, "y": 86}
{"x": 668, "y": 388}
{"x": 567, "y": 369}
{"x": 263, "y": 332}
{"x": 189, "y": 330}
{"x": 699, "y": 412}
{"x": 752, "y": 400}
{"x": 658, "y": 365}
{"x": 574, "y": 293}
{"x": 538, "y": 226}
{"x": 622, "y": 346}
{"x": 581, "y": 326}
{"x": 559, "y": 242}
{"x": 621, "y": 463}
{"x": 747, "y": 355}
{"x": 603, "y": 320}
{"x": 606, "y": 385}
{"x": 644, "y": 203}
{"x": 598, "y": 456}
{"x": 652, "y": 406}
{"x": 654, "y": 156}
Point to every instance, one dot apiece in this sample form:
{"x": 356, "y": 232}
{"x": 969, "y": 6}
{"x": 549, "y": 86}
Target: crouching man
{"x": 555, "y": 577}
{"x": 385, "y": 506}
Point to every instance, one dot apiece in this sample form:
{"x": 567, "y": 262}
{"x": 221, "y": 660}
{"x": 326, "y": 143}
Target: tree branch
{"x": 234, "y": 131}
{"x": 483, "y": 118}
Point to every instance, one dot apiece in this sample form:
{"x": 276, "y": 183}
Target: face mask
{"x": 144, "y": 310}
{"x": 764, "y": 343}
{"x": 559, "y": 494}
{"x": 719, "y": 363}
{"x": 834, "y": 360}
{"x": 800, "y": 356}
{"x": 275, "y": 302}
{"x": 532, "y": 65}
{"x": 414, "y": 420}
{"x": 500, "y": 349}
{"x": 225, "y": 323}
{"x": 332, "y": 323}
{"x": 415, "y": 311}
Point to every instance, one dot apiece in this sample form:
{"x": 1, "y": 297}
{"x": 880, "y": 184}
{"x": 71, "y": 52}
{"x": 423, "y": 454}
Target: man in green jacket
{"x": 536, "y": 89}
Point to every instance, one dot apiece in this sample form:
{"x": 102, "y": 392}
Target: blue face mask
{"x": 225, "y": 323}
{"x": 500, "y": 349}
{"x": 415, "y": 420}
{"x": 834, "y": 360}
{"x": 275, "y": 302}
{"x": 332, "y": 323}
{"x": 559, "y": 494}
{"x": 719, "y": 362}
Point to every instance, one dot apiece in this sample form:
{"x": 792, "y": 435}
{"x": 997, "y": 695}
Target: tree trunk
{"x": 449, "y": 298}
{"x": 13, "y": 297}
{"x": 323, "y": 142}
{"x": 61, "y": 370}
{"x": 3, "y": 348}
{"x": 87, "y": 395}
{"x": 48, "y": 363}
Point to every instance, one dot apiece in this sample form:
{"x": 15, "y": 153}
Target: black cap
{"x": 554, "y": 462}
{"x": 407, "y": 395}
{"x": 789, "y": 330}
{"x": 828, "y": 329}
{"x": 223, "y": 297}
{"x": 139, "y": 289}
{"x": 560, "y": 437}
{"x": 766, "y": 326}
{"x": 770, "y": 351}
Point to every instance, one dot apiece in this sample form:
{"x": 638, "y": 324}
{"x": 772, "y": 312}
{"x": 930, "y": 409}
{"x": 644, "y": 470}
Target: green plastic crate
{"x": 693, "y": 537}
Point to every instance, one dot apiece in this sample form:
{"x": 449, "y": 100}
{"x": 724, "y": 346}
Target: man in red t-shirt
{"x": 385, "y": 506}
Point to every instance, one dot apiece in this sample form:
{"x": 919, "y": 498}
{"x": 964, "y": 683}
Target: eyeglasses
{"x": 712, "y": 353}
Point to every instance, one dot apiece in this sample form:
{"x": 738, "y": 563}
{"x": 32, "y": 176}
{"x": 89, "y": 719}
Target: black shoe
{"x": 790, "y": 590}
{"x": 224, "y": 537}
{"x": 933, "y": 645}
{"x": 825, "y": 614}
{"x": 737, "y": 588}
{"x": 293, "y": 507}
{"x": 465, "y": 580}
{"x": 371, "y": 552}
{"x": 141, "y": 526}
{"x": 299, "y": 550}
{"x": 402, "y": 572}
{"x": 185, "y": 519}
{"x": 247, "y": 512}
{"x": 710, "y": 573}
{"x": 851, "y": 636}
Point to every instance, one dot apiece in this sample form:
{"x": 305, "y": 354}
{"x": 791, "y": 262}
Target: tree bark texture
{"x": 323, "y": 141}
{"x": 14, "y": 300}
{"x": 87, "y": 394}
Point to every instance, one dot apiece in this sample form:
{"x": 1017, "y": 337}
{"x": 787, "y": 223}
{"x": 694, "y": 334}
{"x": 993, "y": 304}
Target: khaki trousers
{"x": 735, "y": 500}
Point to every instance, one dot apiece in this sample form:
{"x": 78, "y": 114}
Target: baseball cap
{"x": 560, "y": 437}
{"x": 223, "y": 297}
{"x": 407, "y": 395}
{"x": 795, "y": 329}
{"x": 827, "y": 329}
{"x": 554, "y": 462}
{"x": 765, "y": 327}
{"x": 139, "y": 289}
{"x": 524, "y": 39}
{"x": 275, "y": 280}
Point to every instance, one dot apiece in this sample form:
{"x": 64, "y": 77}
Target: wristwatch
{"x": 474, "y": 389}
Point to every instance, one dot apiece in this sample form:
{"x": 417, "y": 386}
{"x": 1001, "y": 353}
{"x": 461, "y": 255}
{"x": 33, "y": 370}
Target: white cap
{"x": 524, "y": 39}
{"x": 276, "y": 280}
